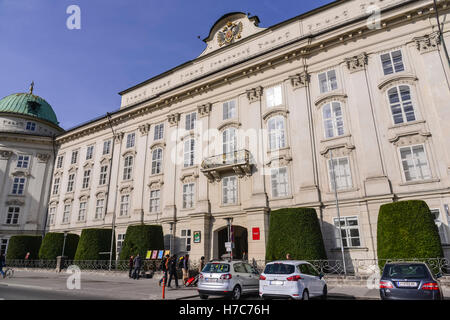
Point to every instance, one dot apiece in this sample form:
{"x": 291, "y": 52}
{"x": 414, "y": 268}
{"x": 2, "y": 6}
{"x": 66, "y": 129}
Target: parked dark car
{"x": 409, "y": 281}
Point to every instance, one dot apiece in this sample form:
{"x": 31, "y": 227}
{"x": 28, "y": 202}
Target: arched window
{"x": 277, "y": 136}
{"x": 156, "y": 161}
{"x": 401, "y": 105}
{"x": 333, "y": 120}
{"x": 128, "y": 168}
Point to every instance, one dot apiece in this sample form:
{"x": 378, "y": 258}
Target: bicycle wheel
{"x": 9, "y": 273}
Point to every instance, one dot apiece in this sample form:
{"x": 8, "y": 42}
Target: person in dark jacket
{"x": 137, "y": 262}
{"x": 173, "y": 271}
{"x": 2, "y": 264}
{"x": 164, "y": 268}
{"x": 130, "y": 266}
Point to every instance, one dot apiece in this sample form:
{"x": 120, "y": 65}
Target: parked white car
{"x": 229, "y": 279}
{"x": 292, "y": 280}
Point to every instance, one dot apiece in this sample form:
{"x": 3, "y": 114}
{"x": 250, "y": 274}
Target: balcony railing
{"x": 237, "y": 161}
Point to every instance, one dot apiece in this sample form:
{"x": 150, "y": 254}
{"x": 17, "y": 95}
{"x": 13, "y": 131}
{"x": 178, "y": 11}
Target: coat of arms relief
{"x": 230, "y": 32}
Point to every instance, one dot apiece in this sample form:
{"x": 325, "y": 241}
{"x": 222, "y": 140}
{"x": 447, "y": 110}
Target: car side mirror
{"x": 439, "y": 275}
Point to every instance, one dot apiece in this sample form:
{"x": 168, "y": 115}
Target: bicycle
{"x": 9, "y": 273}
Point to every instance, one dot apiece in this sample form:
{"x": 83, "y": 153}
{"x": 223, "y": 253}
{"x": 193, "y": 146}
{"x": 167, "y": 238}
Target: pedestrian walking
{"x": 185, "y": 268}
{"x": 164, "y": 269}
{"x": 2, "y": 264}
{"x": 137, "y": 262}
{"x": 173, "y": 271}
{"x": 130, "y": 266}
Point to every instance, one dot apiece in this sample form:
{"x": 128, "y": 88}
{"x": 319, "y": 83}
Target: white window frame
{"x": 277, "y": 134}
{"x": 346, "y": 229}
{"x": 157, "y": 158}
{"x": 99, "y": 208}
{"x": 391, "y": 62}
{"x": 89, "y": 152}
{"x": 402, "y": 104}
{"x": 51, "y": 216}
{"x": 59, "y": 161}
{"x": 158, "y": 132}
{"x": 56, "y": 182}
{"x": 229, "y": 110}
{"x": 16, "y": 186}
{"x": 277, "y": 181}
{"x": 131, "y": 140}
{"x": 155, "y": 201}
{"x": 229, "y": 190}
{"x": 128, "y": 168}
{"x": 74, "y": 158}
{"x": 188, "y": 195}
{"x": 103, "y": 178}
{"x": 339, "y": 174}
{"x": 66, "y": 213}
{"x": 23, "y": 161}
{"x": 106, "y": 147}
{"x": 124, "y": 205}
{"x": 328, "y": 81}
{"x": 190, "y": 121}
{"x": 189, "y": 152}
{"x": 86, "y": 179}
{"x": 274, "y": 96}
{"x": 334, "y": 119}
{"x": 417, "y": 178}
{"x": 186, "y": 239}
{"x": 82, "y": 211}
{"x": 70, "y": 182}
{"x": 12, "y": 217}
{"x": 229, "y": 141}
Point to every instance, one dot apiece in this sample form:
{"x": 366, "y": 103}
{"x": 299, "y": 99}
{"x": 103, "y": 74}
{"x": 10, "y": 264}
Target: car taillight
{"x": 225, "y": 276}
{"x": 262, "y": 278}
{"x": 294, "y": 278}
{"x": 386, "y": 285}
{"x": 430, "y": 286}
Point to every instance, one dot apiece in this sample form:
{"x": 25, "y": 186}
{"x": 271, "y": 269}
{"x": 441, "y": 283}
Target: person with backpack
{"x": 185, "y": 268}
{"x": 137, "y": 263}
{"x": 173, "y": 271}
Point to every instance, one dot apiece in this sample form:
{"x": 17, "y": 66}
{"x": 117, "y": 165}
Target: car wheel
{"x": 236, "y": 293}
{"x": 203, "y": 296}
{"x": 324, "y": 293}
{"x": 305, "y": 295}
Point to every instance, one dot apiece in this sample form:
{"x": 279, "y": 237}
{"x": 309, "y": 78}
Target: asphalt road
{"x": 17, "y": 293}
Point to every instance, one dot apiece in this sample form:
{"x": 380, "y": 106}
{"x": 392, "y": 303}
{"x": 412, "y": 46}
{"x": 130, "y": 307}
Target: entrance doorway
{"x": 240, "y": 241}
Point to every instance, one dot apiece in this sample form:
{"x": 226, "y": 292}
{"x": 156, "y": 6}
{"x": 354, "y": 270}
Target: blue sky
{"x": 120, "y": 44}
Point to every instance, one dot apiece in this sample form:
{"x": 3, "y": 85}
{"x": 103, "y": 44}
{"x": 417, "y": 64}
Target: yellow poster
{"x": 149, "y": 254}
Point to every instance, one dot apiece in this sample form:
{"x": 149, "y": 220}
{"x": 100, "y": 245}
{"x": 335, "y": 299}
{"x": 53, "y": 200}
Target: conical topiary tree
{"x": 20, "y": 245}
{"x": 52, "y": 246}
{"x": 295, "y": 231}
{"x": 94, "y": 242}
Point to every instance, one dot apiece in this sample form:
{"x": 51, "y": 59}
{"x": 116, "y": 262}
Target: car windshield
{"x": 405, "y": 271}
{"x": 216, "y": 268}
{"x": 279, "y": 268}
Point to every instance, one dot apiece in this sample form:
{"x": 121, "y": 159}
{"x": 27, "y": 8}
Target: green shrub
{"x": 20, "y": 245}
{"x": 406, "y": 230}
{"x": 92, "y": 243}
{"x": 52, "y": 246}
{"x": 140, "y": 238}
{"x": 295, "y": 231}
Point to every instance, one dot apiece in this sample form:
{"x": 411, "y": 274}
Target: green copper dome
{"x": 30, "y": 105}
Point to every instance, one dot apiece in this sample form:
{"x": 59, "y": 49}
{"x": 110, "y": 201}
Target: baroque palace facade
{"x": 260, "y": 121}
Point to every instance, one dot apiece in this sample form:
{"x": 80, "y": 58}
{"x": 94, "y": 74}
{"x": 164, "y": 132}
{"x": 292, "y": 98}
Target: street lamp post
{"x": 64, "y": 243}
{"x": 229, "y": 223}
{"x": 171, "y": 237}
{"x": 338, "y": 213}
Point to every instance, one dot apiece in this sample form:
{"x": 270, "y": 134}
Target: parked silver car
{"x": 291, "y": 279}
{"x": 228, "y": 278}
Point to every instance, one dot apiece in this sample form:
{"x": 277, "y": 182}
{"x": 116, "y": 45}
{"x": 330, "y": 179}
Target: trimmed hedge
{"x": 52, "y": 246}
{"x": 295, "y": 231}
{"x": 140, "y": 238}
{"x": 92, "y": 242}
{"x": 406, "y": 230}
{"x": 20, "y": 245}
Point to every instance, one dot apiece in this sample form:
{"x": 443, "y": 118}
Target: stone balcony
{"x": 216, "y": 166}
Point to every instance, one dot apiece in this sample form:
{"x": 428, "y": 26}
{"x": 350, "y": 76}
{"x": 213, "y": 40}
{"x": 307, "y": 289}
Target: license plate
{"x": 407, "y": 284}
{"x": 276, "y": 283}
{"x": 211, "y": 280}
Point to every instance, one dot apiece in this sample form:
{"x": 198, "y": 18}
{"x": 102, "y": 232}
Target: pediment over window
{"x": 229, "y": 29}
{"x": 126, "y": 189}
{"x": 281, "y": 161}
{"x": 129, "y": 153}
{"x": 73, "y": 169}
{"x": 397, "y": 79}
{"x": 20, "y": 173}
{"x": 275, "y": 112}
{"x": 53, "y": 203}
{"x": 330, "y": 97}
{"x": 68, "y": 200}
{"x": 155, "y": 184}
{"x": 340, "y": 150}
{"x": 58, "y": 173}
{"x": 229, "y": 124}
{"x": 88, "y": 164}
{"x": 189, "y": 177}
{"x": 100, "y": 194}
{"x": 14, "y": 202}
{"x": 83, "y": 197}
{"x": 410, "y": 138}
{"x": 105, "y": 160}
{"x": 156, "y": 145}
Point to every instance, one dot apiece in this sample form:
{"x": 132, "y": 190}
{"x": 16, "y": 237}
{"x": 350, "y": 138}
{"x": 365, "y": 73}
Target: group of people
{"x": 170, "y": 266}
{"x": 134, "y": 265}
